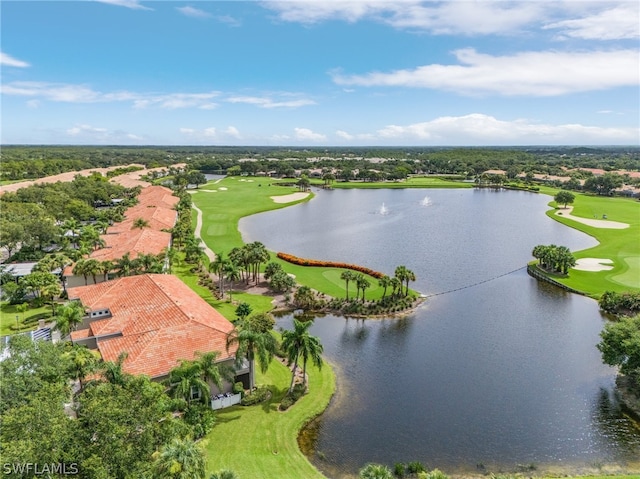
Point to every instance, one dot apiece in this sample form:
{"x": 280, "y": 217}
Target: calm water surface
{"x": 501, "y": 374}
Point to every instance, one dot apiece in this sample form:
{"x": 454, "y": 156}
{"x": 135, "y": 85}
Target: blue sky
{"x": 321, "y": 73}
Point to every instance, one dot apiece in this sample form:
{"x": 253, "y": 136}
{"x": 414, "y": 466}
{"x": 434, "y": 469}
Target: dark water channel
{"x": 498, "y": 375}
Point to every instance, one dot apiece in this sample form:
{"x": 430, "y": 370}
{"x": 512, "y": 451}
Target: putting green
{"x": 631, "y": 277}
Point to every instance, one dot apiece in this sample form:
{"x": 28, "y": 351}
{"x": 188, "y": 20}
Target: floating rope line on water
{"x": 472, "y": 285}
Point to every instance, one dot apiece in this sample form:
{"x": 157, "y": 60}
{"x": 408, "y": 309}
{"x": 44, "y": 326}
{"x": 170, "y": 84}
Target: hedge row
{"x": 289, "y": 258}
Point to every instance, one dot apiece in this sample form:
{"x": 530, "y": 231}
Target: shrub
{"x": 415, "y": 467}
{"x": 328, "y": 264}
{"x": 238, "y": 388}
{"x": 256, "y": 396}
{"x": 201, "y": 418}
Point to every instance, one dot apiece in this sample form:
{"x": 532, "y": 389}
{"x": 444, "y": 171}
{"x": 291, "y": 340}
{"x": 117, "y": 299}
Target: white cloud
{"x": 83, "y": 133}
{"x": 479, "y": 129}
{"x": 266, "y": 102}
{"x": 305, "y": 134}
{"x": 460, "y": 17}
{"x": 132, "y": 4}
{"x": 344, "y": 135}
{"x": 193, "y": 12}
{"x": 546, "y": 73}
{"x": 9, "y": 61}
{"x": 70, "y": 93}
{"x": 229, "y": 20}
{"x": 620, "y": 22}
{"x": 33, "y": 104}
{"x": 232, "y": 132}
{"x": 210, "y": 134}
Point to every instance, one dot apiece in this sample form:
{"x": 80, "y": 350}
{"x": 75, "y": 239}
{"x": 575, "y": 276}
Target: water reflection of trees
{"x": 618, "y": 425}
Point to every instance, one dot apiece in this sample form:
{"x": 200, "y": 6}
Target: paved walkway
{"x": 208, "y": 251}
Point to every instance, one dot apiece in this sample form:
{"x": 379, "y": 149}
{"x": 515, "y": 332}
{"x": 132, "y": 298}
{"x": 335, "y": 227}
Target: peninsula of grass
{"x": 621, "y": 246}
{"x": 260, "y": 440}
{"x": 225, "y": 202}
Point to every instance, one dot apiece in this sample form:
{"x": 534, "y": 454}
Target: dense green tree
{"x": 123, "y": 424}
{"x": 603, "y": 185}
{"x": 243, "y": 310}
{"x": 620, "y": 346}
{"x": 180, "y": 459}
{"x": 281, "y": 282}
{"x": 564, "y": 198}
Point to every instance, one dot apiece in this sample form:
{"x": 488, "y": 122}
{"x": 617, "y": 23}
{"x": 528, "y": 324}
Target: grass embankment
{"x": 413, "y": 182}
{"x": 260, "y": 441}
{"x": 222, "y": 209}
{"x": 622, "y": 246}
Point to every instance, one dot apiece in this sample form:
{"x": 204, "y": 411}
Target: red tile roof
{"x": 135, "y": 242}
{"x": 162, "y": 321}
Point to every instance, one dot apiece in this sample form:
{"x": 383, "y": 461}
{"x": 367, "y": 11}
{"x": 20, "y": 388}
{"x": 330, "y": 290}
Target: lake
{"x": 501, "y": 373}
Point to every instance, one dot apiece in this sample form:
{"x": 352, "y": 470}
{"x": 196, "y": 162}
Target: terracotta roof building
{"x": 155, "y": 318}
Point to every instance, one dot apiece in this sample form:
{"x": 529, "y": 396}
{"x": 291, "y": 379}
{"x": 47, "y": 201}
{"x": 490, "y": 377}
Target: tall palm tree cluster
{"x": 242, "y": 264}
{"x": 299, "y": 345}
{"x": 555, "y": 258}
{"x": 399, "y": 283}
{"x": 124, "y": 266}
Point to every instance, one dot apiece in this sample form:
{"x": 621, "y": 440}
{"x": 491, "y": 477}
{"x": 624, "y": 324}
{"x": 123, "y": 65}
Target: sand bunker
{"x": 613, "y": 225}
{"x": 289, "y": 198}
{"x": 593, "y": 264}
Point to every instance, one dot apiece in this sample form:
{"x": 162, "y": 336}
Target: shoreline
{"x": 546, "y": 470}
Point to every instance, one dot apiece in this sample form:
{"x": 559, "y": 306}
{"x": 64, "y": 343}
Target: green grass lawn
{"x": 621, "y": 246}
{"x": 26, "y": 321}
{"x": 260, "y": 441}
{"x": 222, "y": 209}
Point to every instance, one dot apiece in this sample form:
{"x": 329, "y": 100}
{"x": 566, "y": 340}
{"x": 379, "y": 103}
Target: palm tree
{"x": 79, "y": 269}
{"x": 180, "y": 459}
{"x": 187, "y": 378}
{"x": 93, "y": 268}
{"x": 113, "y": 371}
{"x": 298, "y": 343}
{"x": 69, "y": 317}
{"x": 312, "y": 350}
{"x": 83, "y": 363}
{"x": 401, "y": 274}
{"x": 384, "y": 282}
{"x": 396, "y": 285}
{"x": 362, "y": 283}
{"x": 124, "y": 265}
{"x": 218, "y": 266}
{"x": 347, "y": 276}
{"x": 106, "y": 267}
{"x": 140, "y": 223}
{"x": 409, "y": 276}
{"x": 375, "y": 471}
{"x": 538, "y": 253}
{"x": 211, "y": 370}
{"x": 252, "y": 344}
{"x": 72, "y": 225}
{"x": 232, "y": 272}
